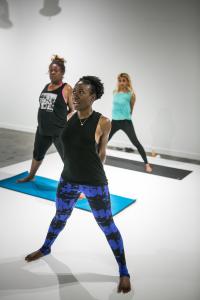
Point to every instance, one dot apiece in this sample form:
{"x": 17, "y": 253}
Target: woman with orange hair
{"x": 123, "y": 104}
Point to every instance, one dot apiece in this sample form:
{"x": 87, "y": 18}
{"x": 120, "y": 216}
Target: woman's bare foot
{"x": 25, "y": 179}
{"x": 82, "y": 196}
{"x": 148, "y": 168}
{"x": 124, "y": 285}
{"x": 34, "y": 255}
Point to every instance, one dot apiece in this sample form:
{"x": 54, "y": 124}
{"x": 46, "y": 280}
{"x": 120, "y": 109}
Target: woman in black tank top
{"x": 84, "y": 139}
{"x": 54, "y": 104}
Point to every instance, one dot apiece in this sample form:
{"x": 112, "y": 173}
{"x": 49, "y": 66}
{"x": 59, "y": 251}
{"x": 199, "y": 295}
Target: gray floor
{"x": 16, "y": 146}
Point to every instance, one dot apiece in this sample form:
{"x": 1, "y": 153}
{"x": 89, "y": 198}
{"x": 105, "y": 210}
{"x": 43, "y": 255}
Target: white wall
{"x": 156, "y": 41}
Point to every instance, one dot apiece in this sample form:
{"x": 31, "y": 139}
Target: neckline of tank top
{"x": 56, "y": 88}
{"x": 84, "y": 119}
{"x": 123, "y": 92}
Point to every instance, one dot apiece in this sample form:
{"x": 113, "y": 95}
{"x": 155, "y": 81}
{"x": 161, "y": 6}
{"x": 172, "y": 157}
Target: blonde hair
{"x": 129, "y": 85}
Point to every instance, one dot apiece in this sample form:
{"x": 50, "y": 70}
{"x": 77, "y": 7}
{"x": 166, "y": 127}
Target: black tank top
{"x": 52, "y": 113}
{"x": 81, "y": 160}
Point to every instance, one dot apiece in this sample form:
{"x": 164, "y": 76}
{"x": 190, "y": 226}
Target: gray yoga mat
{"x": 138, "y": 166}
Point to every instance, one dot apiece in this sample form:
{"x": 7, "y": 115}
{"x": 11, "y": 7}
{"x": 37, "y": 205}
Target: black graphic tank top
{"x": 82, "y": 164}
{"x": 52, "y": 113}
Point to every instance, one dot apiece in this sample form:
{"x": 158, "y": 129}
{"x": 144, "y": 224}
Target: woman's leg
{"x": 128, "y": 128}
{"x": 67, "y": 195}
{"x": 99, "y": 201}
{"x": 115, "y": 126}
{"x": 41, "y": 145}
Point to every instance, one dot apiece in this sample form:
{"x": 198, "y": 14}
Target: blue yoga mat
{"x": 45, "y": 188}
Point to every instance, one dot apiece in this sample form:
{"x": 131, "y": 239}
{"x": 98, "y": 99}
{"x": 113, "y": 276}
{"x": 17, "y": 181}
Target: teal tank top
{"x": 121, "y": 109}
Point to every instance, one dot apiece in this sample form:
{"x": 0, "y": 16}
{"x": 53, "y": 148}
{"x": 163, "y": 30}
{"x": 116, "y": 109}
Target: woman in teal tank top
{"x": 123, "y": 103}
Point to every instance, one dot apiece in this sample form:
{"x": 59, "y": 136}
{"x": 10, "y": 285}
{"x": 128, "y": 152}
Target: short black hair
{"x": 97, "y": 87}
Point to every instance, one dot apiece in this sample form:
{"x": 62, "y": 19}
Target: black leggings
{"x": 127, "y": 127}
{"x": 42, "y": 144}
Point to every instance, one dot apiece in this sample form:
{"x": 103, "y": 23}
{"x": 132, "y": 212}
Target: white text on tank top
{"x": 47, "y": 101}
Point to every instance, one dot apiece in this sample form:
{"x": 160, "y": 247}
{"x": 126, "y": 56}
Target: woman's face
{"x": 122, "y": 82}
{"x": 55, "y": 73}
{"x": 82, "y": 97}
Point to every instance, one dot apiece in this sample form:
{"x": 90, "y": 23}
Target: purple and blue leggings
{"x": 99, "y": 201}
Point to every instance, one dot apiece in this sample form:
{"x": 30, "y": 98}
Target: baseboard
{"x": 18, "y": 127}
{"x": 159, "y": 150}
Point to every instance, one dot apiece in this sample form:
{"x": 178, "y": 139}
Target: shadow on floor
{"x": 17, "y": 277}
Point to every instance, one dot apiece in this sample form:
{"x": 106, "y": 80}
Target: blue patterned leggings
{"x": 99, "y": 201}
